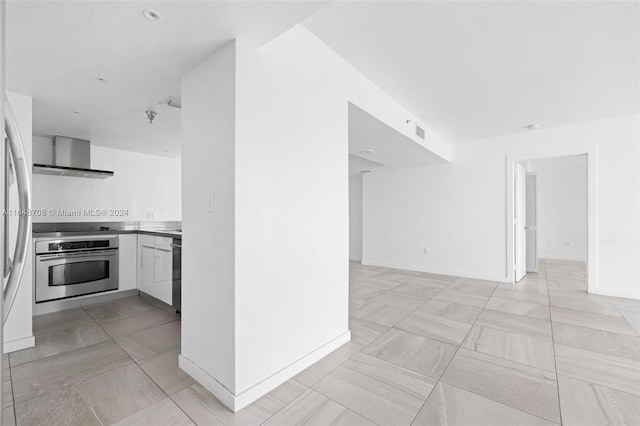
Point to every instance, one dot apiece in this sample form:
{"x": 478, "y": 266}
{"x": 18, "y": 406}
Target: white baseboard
{"x": 19, "y": 344}
{"x": 487, "y": 277}
{"x": 555, "y": 257}
{"x": 616, "y": 293}
{"x": 210, "y": 383}
{"x": 246, "y": 397}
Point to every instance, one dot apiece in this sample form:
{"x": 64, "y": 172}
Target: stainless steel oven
{"x": 68, "y": 267}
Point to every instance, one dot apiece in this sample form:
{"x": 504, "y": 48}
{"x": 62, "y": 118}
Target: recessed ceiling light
{"x": 76, "y": 112}
{"x": 102, "y": 80}
{"x": 364, "y": 171}
{"x": 151, "y": 14}
{"x": 533, "y": 126}
{"x": 367, "y": 151}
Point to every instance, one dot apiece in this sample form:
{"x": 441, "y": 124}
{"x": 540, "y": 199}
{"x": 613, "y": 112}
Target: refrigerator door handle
{"x": 24, "y": 204}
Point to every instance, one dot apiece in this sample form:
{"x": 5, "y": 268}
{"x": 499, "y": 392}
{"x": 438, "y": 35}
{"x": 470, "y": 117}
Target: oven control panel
{"x": 78, "y": 245}
{"x": 68, "y": 244}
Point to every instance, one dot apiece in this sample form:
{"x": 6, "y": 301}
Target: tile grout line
{"x": 553, "y": 346}
{"x": 406, "y": 316}
{"x": 484, "y": 396}
{"x": 568, "y": 296}
{"x": 138, "y": 365}
{"x": 586, "y": 312}
{"x": 54, "y": 355}
{"x": 340, "y": 404}
{"x": 170, "y": 397}
{"x": 626, "y": 319}
{"x": 308, "y": 388}
{"x": 80, "y": 308}
{"x": 180, "y": 408}
{"x": 364, "y": 347}
{"x": 456, "y": 353}
{"x": 367, "y": 345}
{"x": 13, "y": 396}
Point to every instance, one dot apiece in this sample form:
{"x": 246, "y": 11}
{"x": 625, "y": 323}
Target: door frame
{"x": 519, "y": 220}
{"x": 592, "y": 208}
{"x": 535, "y": 175}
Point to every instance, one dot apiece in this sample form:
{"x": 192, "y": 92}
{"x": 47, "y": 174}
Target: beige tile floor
{"x": 426, "y": 349}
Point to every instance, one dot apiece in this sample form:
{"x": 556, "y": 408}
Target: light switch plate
{"x": 211, "y": 202}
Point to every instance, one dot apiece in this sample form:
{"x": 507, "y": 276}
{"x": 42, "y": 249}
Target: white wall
{"x": 208, "y": 243}
{"x": 18, "y": 332}
{"x": 141, "y": 183}
{"x": 355, "y": 217}
{"x": 562, "y": 207}
{"x": 292, "y": 204}
{"x": 458, "y": 210}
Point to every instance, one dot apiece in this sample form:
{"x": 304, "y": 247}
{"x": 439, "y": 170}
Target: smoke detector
{"x": 151, "y": 14}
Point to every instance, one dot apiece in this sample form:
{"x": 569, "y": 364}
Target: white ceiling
{"x": 359, "y": 165}
{"x": 471, "y": 70}
{"x": 467, "y": 69}
{"x": 57, "y": 50}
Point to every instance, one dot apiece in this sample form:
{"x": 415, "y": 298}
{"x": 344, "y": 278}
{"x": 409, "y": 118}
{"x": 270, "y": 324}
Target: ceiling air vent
{"x": 172, "y": 102}
{"x": 419, "y": 132}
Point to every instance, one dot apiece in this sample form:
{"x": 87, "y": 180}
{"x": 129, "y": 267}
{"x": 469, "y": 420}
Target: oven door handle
{"x": 48, "y": 257}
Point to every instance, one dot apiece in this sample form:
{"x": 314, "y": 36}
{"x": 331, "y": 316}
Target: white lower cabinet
{"x": 128, "y": 268}
{"x": 155, "y": 267}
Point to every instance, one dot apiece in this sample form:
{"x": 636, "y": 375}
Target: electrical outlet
{"x": 211, "y": 202}
{"x": 150, "y": 214}
{"x": 426, "y": 251}
{"x": 568, "y": 243}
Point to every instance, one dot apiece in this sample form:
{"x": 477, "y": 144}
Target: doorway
{"x": 355, "y": 217}
{"x": 525, "y": 242}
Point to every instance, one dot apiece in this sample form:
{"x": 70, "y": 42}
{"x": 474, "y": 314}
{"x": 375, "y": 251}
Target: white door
{"x": 519, "y": 220}
{"x": 531, "y": 223}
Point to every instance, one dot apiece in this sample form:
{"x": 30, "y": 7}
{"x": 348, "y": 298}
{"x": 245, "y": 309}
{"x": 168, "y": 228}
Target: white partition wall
{"x": 208, "y": 222}
{"x": 265, "y": 215}
{"x": 266, "y": 210}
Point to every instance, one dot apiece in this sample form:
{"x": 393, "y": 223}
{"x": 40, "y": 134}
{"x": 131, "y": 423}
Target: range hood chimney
{"x": 71, "y": 157}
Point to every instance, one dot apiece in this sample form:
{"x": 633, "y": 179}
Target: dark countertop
{"x": 71, "y": 229}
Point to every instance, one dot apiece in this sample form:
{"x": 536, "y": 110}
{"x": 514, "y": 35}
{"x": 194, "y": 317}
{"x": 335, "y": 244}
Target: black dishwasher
{"x": 177, "y": 274}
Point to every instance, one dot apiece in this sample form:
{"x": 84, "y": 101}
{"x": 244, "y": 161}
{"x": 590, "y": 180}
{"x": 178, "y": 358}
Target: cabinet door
{"x": 146, "y": 257}
{"x": 128, "y": 255}
{"x": 163, "y": 276}
{"x": 163, "y": 242}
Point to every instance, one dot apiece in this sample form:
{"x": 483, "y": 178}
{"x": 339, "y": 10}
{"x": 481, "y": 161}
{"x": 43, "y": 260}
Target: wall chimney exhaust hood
{"x": 69, "y": 157}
